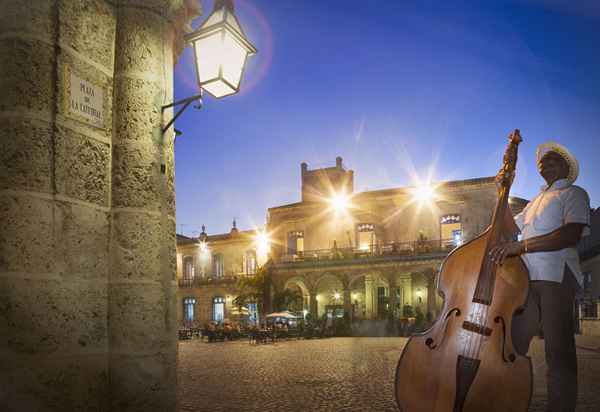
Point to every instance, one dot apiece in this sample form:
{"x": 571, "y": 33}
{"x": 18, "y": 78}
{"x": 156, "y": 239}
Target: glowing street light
{"x": 262, "y": 241}
{"x": 339, "y": 202}
{"x": 221, "y": 50}
{"x": 424, "y": 193}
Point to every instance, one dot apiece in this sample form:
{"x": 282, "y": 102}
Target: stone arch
{"x": 298, "y": 281}
{"x": 328, "y": 291}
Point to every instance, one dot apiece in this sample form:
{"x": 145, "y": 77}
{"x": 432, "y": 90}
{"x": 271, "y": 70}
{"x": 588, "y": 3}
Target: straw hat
{"x": 564, "y": 153}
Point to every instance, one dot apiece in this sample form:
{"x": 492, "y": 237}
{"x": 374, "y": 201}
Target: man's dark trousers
{"x": 551, "y": 304}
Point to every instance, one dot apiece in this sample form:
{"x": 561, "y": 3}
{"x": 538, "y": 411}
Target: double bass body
{"x": 466, "y": 361}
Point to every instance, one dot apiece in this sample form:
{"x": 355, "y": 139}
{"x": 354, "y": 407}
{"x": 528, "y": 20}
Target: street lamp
{"x": 220, "y": 52}
{"x": 221, "y": 49}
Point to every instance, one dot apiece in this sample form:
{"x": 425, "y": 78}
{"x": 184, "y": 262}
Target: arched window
{"x": 218, "y": 265}
{"x": 189, "y": 310}
{"x": 218, "y": 308}
{"x": 188, "y": 267}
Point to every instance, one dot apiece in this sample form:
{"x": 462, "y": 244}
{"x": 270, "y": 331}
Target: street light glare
{"x": 339, "y": 202}
{"x": 424, "y": 193}
{"x": 263, "y": 242}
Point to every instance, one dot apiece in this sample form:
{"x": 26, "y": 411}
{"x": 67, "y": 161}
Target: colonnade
{"x": 361, "y": 294}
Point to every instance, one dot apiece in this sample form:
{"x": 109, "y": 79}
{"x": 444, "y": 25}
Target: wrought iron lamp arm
{"x": 186, "y": 102}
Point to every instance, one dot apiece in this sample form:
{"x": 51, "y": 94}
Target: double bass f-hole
{"x": 511, "y": 356}
{"x": 441, "y": 332}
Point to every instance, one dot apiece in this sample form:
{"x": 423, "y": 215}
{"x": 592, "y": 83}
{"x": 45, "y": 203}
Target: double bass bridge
{"x": 476, "y": 328}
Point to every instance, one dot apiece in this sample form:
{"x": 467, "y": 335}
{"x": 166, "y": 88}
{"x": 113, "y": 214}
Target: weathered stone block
{"x": 137, "y": 110}
{"x": 141, "y": 43}
{"x": 57, "y": 384}
{"x": 26, "y": 237}
{"x": 26, "y": 157}
{"x": 30, "y": 16}
{"x": 82, "y": 167}
{"x": 82, "y": 245}
{"x": 26, "y": 75}
{"x": 50, "y": 316}
{"x": 144, "y": 383}
{"x": 89, "y": 28}
{"x": 138, "y": 321}
{"x": 136, "y": 247}
{"x": 136, "y": 174}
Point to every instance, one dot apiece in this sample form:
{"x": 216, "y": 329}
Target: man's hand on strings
{"x": 501, "y": 252}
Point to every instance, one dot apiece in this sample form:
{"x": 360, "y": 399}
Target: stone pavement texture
{"x": 337, "y": 374}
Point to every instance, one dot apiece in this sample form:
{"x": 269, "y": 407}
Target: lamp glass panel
{"x": 218, "y": 88}
{"x": 208, "y": 56}
{"x": 233, "y": 58}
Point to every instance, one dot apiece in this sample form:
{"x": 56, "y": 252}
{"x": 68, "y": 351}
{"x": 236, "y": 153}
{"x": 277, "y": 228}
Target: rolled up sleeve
{"x": 577, "y": 208}
{"x": 519, "y": 218}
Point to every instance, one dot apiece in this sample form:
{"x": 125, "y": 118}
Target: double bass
{"x": 466, "y": 361}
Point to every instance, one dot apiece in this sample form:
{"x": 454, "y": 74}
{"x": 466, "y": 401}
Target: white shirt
{"x": 555, "y": 206}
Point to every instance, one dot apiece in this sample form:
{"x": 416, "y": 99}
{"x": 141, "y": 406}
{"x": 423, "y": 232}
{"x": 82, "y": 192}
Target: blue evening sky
{"x": 398, "y": 89}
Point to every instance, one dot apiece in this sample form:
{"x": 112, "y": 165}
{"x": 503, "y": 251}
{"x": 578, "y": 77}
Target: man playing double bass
{"x": 551, "y": 225}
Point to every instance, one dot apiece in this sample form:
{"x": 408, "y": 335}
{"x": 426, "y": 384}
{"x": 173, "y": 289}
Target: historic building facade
{"x": 371, "y": 254}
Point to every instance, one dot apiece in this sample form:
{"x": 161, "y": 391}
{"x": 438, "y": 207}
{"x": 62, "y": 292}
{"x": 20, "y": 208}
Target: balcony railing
{"x": 412, "y": 248}
{"x": 207, "y": 280}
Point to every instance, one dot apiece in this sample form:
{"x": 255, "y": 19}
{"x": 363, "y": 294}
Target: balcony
{"x": 438, "y": 248}
{"x": 207, "y": 280}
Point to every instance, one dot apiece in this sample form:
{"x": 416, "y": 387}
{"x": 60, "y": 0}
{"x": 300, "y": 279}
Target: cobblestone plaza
{"x": 338, "y": 374}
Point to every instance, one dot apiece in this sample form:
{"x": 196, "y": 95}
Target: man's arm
{"x": 563, "y": 237}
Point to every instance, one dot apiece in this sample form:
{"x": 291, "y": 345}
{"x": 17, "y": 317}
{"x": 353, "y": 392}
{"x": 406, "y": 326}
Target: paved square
{"x": 338, "y": 374}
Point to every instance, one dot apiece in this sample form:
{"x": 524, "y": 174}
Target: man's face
{"x": 553, "y": 167}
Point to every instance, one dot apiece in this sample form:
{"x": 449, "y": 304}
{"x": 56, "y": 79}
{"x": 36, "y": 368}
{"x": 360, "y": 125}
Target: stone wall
{"x": 87, "y": 246}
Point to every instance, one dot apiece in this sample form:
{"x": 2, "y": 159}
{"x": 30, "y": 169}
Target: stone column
{"x": 54, "y": 206}
{"x": 430, "y": 276}
{"x": 369, "y": 297}
{"x": 408, "y": 292}
{"x": 314, "y": 306}
{"x": 142, "y": 289}
{"x": 348, "y": 302}
{"x": 392, "y": 291}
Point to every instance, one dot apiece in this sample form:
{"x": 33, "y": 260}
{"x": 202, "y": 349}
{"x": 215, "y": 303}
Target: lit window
{"x": 295, "y": 242}
{"x": 218, "y": 308}
{"x": 253, "y": 312}
{"x": 218, "y": 265}
{"x": 366, "y": 236}
{"x": 188, "y": 268}
{"x": 451, "y": 230}
{"x": 189, "y": 305}
{"x": 250, "y": 262}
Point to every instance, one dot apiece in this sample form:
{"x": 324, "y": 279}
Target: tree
{"x": 288, "y": 299}
{"x": 255, "y": 289}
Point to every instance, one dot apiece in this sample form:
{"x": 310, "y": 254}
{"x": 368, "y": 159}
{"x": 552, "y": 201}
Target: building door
{"x": 382, "y": 302}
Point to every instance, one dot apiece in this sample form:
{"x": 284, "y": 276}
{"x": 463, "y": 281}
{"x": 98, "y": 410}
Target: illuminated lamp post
{"x": 221, "y": 50}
